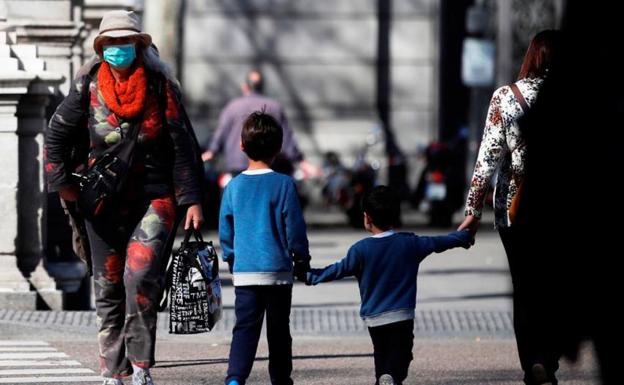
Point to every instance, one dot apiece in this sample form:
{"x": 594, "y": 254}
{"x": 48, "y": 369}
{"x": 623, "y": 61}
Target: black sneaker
{"x": 539, "y": 375}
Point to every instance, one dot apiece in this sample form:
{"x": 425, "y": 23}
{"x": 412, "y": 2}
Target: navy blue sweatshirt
{"x": 386, "y": 267}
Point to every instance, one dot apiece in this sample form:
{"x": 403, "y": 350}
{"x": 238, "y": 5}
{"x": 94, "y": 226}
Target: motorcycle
{"x": 439, "y": 192}
{"x": 345, "y": 187}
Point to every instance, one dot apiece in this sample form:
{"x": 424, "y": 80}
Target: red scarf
{"x": 125, "y": 99}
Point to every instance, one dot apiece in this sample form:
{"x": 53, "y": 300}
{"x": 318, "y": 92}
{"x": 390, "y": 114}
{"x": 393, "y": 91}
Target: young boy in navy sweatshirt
{"x": 386, "y": 266}
{"x": 261, "y": 229}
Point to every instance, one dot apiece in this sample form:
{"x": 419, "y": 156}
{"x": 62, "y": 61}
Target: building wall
{"x": 319, "y": 58}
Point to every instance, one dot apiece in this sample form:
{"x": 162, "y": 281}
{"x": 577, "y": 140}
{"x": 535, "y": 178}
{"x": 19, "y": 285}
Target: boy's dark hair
{"x": 261, "y": 136}
{"x": 383, "y": 206}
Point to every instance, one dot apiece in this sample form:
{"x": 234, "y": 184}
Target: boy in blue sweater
{"x": 262, "y": 230}
{"x": 386, "y": 266}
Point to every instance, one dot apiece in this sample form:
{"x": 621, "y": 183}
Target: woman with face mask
{"x": 128, "y": 93}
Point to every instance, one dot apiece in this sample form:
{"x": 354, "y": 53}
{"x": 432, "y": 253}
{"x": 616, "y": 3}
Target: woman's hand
{"x": 69, "y": 193}
{"x": 207, "y": 156}
{"x": 471, "y": 223}
{"x": 194, "y": 216}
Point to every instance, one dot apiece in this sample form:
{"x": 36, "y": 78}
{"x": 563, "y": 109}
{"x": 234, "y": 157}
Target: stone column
{"x": 59, "y": 45}
{"x": 25, "y": 91}
{"x": 53, "y": 35}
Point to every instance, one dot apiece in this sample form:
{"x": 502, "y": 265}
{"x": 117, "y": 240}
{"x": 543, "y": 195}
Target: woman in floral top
{"x": 503, "y": 150}
{"x": 129, "y": 90}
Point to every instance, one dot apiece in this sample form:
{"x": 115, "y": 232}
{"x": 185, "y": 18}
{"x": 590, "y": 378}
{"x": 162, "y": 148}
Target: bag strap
{"x": 519, "y": 97}
{"x": 86, "y": 91}
{"x": 125, "y": 147}
{"x": 187, "y": 236}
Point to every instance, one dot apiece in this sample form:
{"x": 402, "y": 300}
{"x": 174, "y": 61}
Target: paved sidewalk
{"x": 463, "y": 329}
{"x": 305, "y": 321}
{"x": 202, "y": 359}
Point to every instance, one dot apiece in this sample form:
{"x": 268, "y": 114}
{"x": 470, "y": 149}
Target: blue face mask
{"x": 119, "y": 56}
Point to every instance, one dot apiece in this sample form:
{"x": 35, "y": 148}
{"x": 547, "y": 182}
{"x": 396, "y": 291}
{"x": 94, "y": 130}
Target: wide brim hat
{"x": 117, "y": 24}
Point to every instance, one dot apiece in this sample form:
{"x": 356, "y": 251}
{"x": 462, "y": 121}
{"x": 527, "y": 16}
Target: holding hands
{"x": 301, "y": 266}
{"x": 471, "y": 224}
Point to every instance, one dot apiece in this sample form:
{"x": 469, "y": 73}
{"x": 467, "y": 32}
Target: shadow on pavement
{"x": 466, "y": 297}
{"x": 463, "y": 271}
{"x": 213, "y": 361}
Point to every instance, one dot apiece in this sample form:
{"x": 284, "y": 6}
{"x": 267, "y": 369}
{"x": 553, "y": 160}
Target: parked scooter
{"x": 285, "y": 166}
{"x": 440, "y": 187}
{"x": 345, "y": 187}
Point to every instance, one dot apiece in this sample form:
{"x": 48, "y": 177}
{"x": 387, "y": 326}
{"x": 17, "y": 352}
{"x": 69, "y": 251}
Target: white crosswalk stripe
{"x": 45, "y": 380}
{"x": 27, "y": 349}
{"x": 17, "y": 372}
{"x": 20, "y": 355}
{"x": 24, "y": 343}
{"x": 36, "y": 362}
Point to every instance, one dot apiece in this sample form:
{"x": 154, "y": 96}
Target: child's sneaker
{"x": 233, "y": 382}
{"x": 386, "y": 379}
{"x": 141, "y": 377}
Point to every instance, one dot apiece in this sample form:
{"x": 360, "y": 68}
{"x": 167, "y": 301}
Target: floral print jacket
{"x": 166, "y": 156}
{"x": 502, "y": 149}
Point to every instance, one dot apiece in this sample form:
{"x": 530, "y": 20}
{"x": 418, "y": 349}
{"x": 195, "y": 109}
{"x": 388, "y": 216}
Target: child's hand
{"x": 300, "y": 271}
{"x": 471, "y": 239}
{"x": 301, "y": 267}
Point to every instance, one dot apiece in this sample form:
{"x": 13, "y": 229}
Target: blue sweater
{"x": 260, "y": 226}
{"x": 386, "y": 269}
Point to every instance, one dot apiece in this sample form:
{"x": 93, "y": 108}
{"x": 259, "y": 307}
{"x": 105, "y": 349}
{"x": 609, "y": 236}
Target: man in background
{"x": 227, "y": 137}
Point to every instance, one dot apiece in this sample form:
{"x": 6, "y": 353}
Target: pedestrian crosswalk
{"x": 36, "y": 362}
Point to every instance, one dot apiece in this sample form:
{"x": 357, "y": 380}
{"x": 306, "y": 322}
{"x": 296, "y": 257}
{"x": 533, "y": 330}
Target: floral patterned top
{"x": 502, "y": 149}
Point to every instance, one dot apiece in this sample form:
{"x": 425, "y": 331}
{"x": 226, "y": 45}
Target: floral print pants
{"x": 127, "y": 250}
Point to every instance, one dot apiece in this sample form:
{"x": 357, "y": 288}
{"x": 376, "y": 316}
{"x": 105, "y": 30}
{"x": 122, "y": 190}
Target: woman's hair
{"x": 152, "y": 61}
{"x": 539, "y": 55}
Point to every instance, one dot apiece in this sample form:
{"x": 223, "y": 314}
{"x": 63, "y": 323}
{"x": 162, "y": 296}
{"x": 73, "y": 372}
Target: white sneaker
{"x": 142, "y": 377}
{"x": 386, "y": 379}
{"x": 112, "y": 381}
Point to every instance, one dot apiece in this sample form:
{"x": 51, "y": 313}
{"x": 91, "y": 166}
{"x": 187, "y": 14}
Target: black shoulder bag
{"x": 103, "y": 182}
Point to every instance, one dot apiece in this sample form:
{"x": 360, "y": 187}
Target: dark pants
{"x": 250, "y": 305}
{"x": 127, "y": 250}
{"x": 534, "y": 321}
{"x": 393, "y": 345}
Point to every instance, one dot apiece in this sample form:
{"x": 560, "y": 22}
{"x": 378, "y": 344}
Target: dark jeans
{"x": 127, "y": 249}
{"x": 393, "y": 345}
{"x": 250, "y": 305}
{"x": 534, "y": 321}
